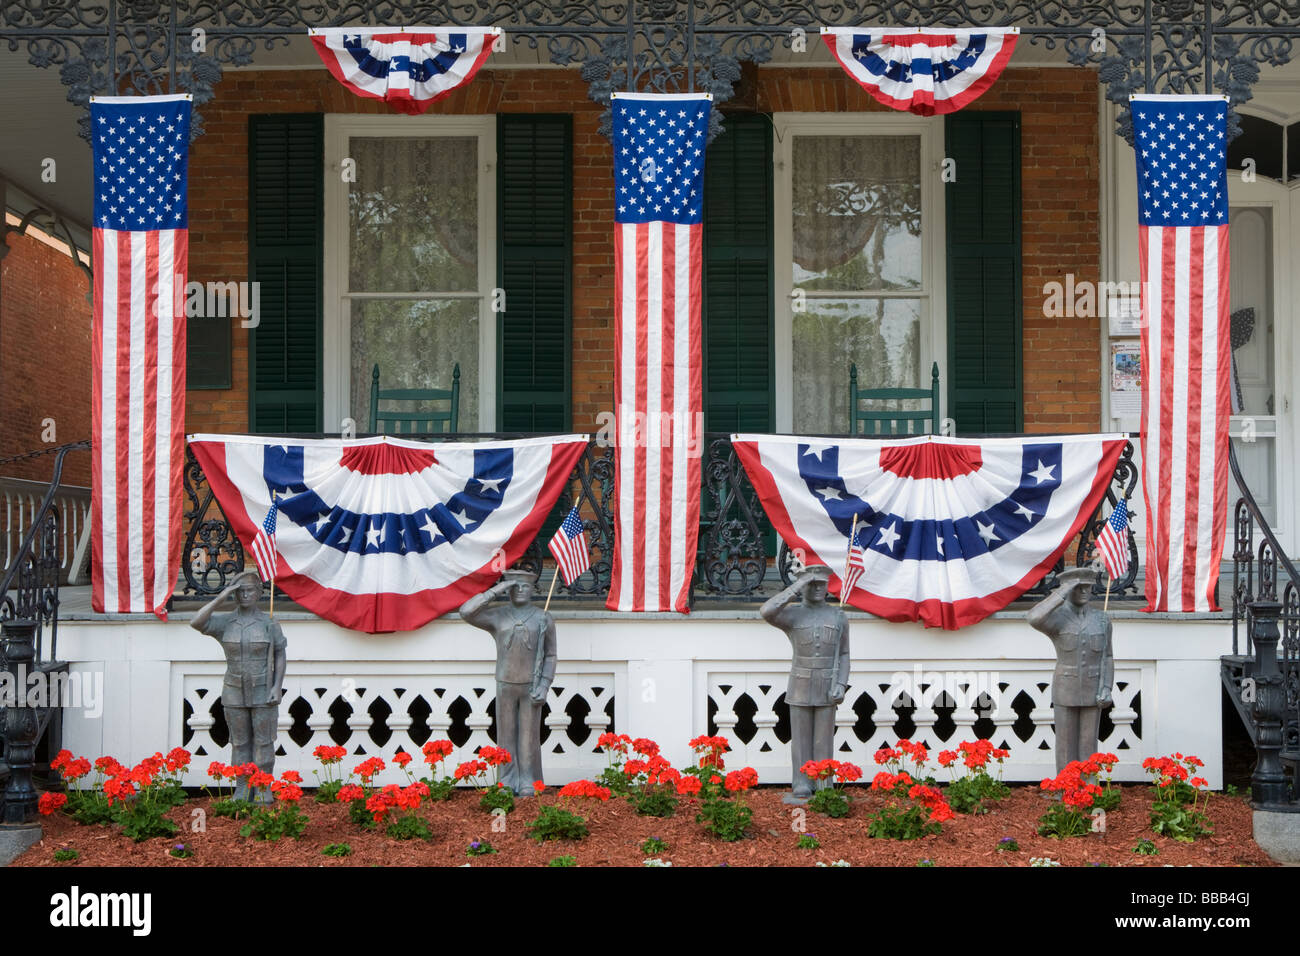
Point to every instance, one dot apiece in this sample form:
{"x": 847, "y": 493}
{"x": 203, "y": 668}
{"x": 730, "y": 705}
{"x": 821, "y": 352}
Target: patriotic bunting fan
{"x": 408, "y": 67}
{"x": 952, "y": 530}
{"x": 923, "y": 71}
{"x": 380, "y": 534}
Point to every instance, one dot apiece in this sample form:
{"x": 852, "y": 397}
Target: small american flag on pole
{"x": 263, "y": 547}
{"x": 1112, "y": 541}
{"x": 1181, "y": 144}
{"x": 856, "y": 565}
{"x": 569, "y": 546}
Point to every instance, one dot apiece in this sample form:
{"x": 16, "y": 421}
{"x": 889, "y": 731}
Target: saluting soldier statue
{"x": 525, "y": 639}
{"x": 254, "y": 647}
{"x": 819, "y": 670}
{"x": 1085, "y": 663}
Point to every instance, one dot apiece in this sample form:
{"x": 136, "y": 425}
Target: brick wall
{"x": 44, "y": 357}
{"x": 1061, "y": 228}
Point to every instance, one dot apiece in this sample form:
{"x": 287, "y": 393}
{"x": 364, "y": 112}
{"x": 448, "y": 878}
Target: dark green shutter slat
{"x": 985, "y": 376}
{"x": 207, "y": 351}
{"x": 286, "y": 236}
{"x": 737, "y": 309}
{"x": 535, "y": 236}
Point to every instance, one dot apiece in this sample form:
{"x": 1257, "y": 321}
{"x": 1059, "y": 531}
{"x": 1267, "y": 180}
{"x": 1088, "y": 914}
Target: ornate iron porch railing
{"x": 29, "y": 604}
{"x": 156, "y": 46}
{"x": 739, "y": 559}
{"x": 1262, "y": 677}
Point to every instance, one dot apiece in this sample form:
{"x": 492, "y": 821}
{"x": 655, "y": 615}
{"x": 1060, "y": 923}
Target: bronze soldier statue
{"x": 254, "y": 647}
{"x": 819, "y": 670}
{"x": 525, "y": 639}
{"x": 1085, "y": 663}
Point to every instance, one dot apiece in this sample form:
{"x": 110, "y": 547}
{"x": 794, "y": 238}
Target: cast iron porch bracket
{"x": 154, "y": 46}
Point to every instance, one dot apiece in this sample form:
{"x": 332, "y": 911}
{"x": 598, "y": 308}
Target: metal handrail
{"x": 38, "y": 595}
{"x": 1240, "y": 608}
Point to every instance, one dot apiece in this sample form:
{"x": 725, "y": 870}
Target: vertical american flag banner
{"x": 659, "y": 200}
{"x": 1181, "y": 146}
{"x": 140, "y": 255}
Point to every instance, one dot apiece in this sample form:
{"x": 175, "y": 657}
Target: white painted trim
{"x": 336, "y": 357}
{"x": 933, "y": 290}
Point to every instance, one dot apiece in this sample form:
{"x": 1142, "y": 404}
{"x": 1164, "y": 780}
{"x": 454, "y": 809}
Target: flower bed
{"x": 703, "y": 815}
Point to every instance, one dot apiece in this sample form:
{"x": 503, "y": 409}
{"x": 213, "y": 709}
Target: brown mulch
{"x": 616, "y": 833}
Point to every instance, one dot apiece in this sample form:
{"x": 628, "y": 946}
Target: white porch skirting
{"x": 657, "y": 676}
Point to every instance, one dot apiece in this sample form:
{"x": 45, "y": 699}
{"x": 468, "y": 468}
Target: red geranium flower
{"x": 350, "y": 792}
{"x": 494, "y": 756}
{"x": 435, "y": 751}
{"x": 688, "y": 785}
{"x": 50, "y": 802}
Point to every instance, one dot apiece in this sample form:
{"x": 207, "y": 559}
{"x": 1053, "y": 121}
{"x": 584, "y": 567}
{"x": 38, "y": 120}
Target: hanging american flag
{"x": 264, "y": 543}
{"x": 1112, "y": 541}
{"x": 140, "y": 255}
{"x": 856, "y": 563}
{"x": 659, "y": 191}
{"x": 569, "y": 546}
{"x": 1183, "y": 252}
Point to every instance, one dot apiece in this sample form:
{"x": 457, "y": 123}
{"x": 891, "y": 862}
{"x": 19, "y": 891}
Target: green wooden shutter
{"x": 985, "y": 380}
{"x": 207, "y": 351}
{"x": 737, "y": 313}
{"x": 535, "y": 241}
{"x": 285, "y": 240}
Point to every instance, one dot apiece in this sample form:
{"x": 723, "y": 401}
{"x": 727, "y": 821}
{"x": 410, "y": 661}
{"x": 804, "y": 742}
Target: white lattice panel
{"x": 455, "y": 701}
{"x": 1007, "y": 697}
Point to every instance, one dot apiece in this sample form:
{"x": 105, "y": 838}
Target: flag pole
{"x": 852, "y": 534}
{"x": 275, "y": 558}
{"x": 551, "y": 591}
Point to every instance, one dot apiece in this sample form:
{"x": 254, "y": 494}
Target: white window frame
{"x": 337, "y": 321}
{"x": 933, "y": 291}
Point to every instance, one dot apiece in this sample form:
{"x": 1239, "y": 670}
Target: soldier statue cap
{"x": 519, "y": 576}
{"x": 819, "y": 572}
{"x": 256, "y": 578}
{"x": 1077, "y": 576}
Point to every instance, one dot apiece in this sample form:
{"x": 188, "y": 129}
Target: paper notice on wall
{"x": 1125, "y": 314}
{"x": 1125, "y": 380}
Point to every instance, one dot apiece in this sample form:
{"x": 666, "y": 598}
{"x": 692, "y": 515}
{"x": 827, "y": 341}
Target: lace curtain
{"x": 856, "y": 204}
{"x": 413, "y": 220}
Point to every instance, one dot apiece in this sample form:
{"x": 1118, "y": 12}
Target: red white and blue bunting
{"x": 955, "y": 529}
{"x": 410, "y": 68}
{"x": 923, "y": 71}
{"x": 381, "y": 534}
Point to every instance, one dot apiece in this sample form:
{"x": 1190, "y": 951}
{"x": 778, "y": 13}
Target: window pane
{"x": 882, "y": 336}
{"x": 413, "y": 214}
{"x": 415, "y": 345}
{"x": 857, "y": 212}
